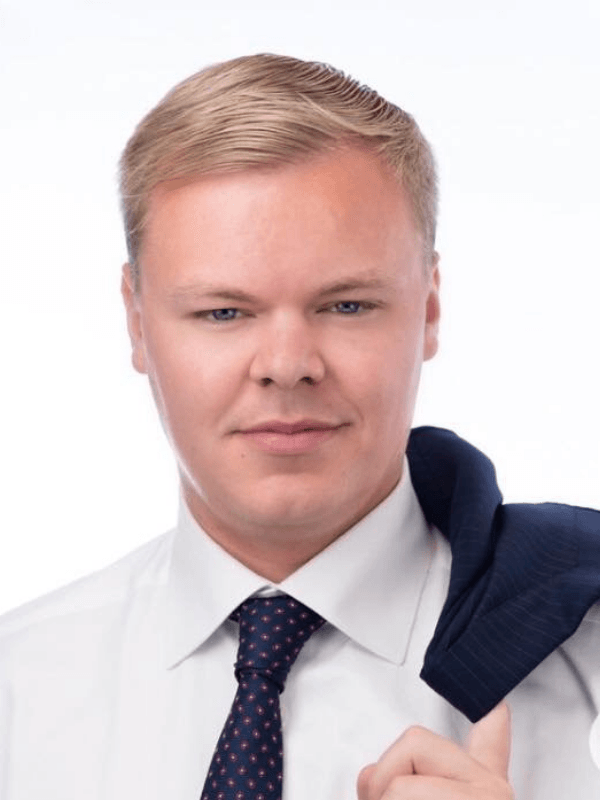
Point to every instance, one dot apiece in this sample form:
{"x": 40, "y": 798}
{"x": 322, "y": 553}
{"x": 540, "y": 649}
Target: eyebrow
{"x": 349, "y": 284}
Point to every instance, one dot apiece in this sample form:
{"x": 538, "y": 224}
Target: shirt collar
{"x": 367, "y": 583}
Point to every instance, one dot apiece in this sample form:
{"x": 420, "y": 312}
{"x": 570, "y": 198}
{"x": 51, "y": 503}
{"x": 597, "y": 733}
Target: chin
{"x": 287, "y": 508}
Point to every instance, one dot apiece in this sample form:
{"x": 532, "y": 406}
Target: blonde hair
{"x": 263, "y": 111}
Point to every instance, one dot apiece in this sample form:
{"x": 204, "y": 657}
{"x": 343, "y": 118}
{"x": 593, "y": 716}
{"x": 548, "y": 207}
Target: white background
{"x": 509, "y": 95}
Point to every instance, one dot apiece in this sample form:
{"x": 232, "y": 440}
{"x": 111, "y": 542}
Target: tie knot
{"x": 272, "y": 633}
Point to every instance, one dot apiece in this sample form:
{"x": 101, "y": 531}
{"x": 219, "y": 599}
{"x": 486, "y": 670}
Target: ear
{"x": 432, "y": 311}
{"x": 134, "y": 322}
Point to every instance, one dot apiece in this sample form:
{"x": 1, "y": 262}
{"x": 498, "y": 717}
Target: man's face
{"x": 294, "y": 295}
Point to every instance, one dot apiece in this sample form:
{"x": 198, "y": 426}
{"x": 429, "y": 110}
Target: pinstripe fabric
{"x": 523, "y": 576}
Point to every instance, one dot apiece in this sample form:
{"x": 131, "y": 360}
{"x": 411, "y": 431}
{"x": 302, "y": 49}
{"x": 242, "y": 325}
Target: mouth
{"x": 283, "y": 438}
{"x": 291, "y": 428}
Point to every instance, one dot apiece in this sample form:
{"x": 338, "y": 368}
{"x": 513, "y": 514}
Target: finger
{"x": 489, "y": 741}
{"x": 422, "y": 787}
{"x": 421, "y": 752}
{"x": 362, "y": 784}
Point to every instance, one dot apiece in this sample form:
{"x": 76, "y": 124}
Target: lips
{"x": 275, "y": 426}
{"x": 291, "y": 438}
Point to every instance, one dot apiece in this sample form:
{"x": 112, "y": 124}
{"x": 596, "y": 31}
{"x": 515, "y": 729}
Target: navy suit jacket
{"x": 522, "y": 577}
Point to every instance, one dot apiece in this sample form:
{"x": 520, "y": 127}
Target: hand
{"x": 421, "y": 765}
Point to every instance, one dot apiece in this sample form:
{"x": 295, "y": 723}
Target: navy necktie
{"x": 248, "y": 760}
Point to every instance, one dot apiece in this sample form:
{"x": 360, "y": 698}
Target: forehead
{"x": 343, "y": 208}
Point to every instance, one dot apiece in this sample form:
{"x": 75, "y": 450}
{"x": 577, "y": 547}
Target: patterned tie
{"x": 248, "y": 761}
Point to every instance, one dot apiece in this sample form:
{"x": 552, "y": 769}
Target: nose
{"x": 288, "y": 354}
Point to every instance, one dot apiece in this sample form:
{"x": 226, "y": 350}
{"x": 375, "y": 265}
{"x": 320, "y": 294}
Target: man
{"x": 282, "y": 293}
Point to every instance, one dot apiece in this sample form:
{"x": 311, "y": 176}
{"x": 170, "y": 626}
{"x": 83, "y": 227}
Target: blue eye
{"x": 351, "y": 307}
{"x": 222, "y": 314}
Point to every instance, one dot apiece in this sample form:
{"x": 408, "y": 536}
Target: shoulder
{"x": 583, "y": 647}
{"x": 61, "y": 662}
{"x": 87, "y": 602}
{"x": 581, "y": 652}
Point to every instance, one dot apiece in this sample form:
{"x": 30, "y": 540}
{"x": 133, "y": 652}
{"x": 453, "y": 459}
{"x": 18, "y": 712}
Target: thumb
{"x": 489, "y": 741}
{"x": 362, "y": 785}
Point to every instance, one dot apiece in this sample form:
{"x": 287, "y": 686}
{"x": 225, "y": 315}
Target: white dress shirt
{"x": 117, "y": 686}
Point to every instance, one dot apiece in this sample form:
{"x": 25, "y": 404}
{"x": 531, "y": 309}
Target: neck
{"x": 273, "y": 554}
{"x": 277, "y": 544}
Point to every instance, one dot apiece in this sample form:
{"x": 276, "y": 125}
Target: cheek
{"x": 386, "y": 378}
{"x": 188, "y": 379}
{"x": 393, "y": 393}
{"x": 377, "y": 401}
